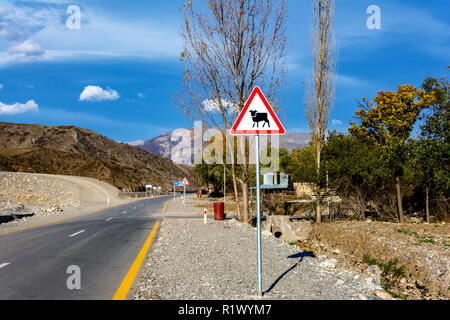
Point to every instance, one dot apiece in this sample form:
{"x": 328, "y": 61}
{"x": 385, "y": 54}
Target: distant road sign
{"x": 178, "y": 184}
{"x": 185, "y": 181}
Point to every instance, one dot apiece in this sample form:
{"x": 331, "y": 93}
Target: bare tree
{"x": 319, "y": 91}
{"x": 231, "y": 46}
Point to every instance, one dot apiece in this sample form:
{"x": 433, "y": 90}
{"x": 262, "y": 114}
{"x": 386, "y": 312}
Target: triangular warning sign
{"x": 257, "y": 117}
{"x": 185, "y": 181}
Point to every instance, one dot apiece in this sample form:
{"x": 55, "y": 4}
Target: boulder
{"x": 328, "y": 263}
{"x": 374, "y": 279}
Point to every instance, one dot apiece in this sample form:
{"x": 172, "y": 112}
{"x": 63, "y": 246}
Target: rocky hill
{"x": 71, "y": 150}
{"x": 162, "y": 145}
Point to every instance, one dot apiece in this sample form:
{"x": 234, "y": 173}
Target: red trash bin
{"x": 218, "y": 210}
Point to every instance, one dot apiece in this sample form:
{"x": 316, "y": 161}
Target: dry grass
{"x": 419, "y": 253}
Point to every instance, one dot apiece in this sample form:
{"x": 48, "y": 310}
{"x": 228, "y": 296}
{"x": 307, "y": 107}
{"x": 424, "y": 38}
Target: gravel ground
{"x": 193, "y": 261}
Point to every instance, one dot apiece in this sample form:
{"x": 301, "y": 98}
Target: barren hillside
{"x": 71, "y": 150}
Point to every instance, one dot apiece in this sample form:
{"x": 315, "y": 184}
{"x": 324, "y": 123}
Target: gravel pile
{"x": 35, "y": 194}
{"x": 193, "y": 261}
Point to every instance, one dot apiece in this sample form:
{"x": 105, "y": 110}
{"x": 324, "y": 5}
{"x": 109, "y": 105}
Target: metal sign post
{"x": 175, "y": 185}
{"x": 258, "y": 218}
{"x": 258, "y": 118}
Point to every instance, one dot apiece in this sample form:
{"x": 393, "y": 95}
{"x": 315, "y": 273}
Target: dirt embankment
{"x": 31, "y": 197}
{"x": 414, "y": 258}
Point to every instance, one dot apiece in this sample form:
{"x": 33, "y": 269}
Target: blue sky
{"x": 115, "y": 75}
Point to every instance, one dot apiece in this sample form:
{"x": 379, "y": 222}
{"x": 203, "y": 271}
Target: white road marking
{"x": 108, "y": 219}
{"x": 81, "y": 231}
{"x": 4, "y": 264}
{"x": 134, "y": 208}
{"x": 124, "y": 212}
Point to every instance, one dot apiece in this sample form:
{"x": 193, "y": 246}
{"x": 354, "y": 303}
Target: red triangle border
{"x": 279, "y": 131}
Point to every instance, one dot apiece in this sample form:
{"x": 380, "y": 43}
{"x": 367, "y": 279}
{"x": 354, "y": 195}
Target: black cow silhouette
{"x": 258, "y": 117}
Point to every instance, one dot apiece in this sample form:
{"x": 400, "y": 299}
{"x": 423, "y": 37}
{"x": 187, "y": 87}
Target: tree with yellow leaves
{"x": 387, "y": 122}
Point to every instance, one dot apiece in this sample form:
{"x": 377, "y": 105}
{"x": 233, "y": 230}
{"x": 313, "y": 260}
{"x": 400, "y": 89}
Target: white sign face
{"x": 148, "y": 186}
{"x": 257, "y": 117}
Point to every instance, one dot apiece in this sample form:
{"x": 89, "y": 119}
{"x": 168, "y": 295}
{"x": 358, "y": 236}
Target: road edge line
{"x": 127, "y": 282}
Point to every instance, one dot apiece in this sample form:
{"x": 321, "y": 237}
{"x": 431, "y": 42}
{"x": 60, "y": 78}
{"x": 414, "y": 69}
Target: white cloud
{"x": 101, "y": 35}
{"x": 336, "y": 122}
{"x": 11, "y": 109}
{"x": 141, "y": 95}
{"x": 212, "y": 105}
{"x": 27, "y": 48}
{"x": 95, "y": 93}
{"x": 349, "y": 81}
{"x": 20, "y": 22}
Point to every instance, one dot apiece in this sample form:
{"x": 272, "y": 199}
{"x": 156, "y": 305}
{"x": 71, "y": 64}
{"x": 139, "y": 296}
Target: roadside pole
{"x": 258, "y": 218}
{"x": 185, "y": 182}
{"x": 256, "y": 110}
{"x": 328, "y": 196}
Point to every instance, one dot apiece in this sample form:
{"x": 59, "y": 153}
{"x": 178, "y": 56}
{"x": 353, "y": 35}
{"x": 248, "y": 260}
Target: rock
{"x": 337, "y": 251}
{"x": 362, "y": 297}
{"x": 373, "y": 282}
{"x": 419, "y": 285}
{"x": 328, "y": 264}
{"x": 441, "y": 272}
{"x": 374, "y": 270}
{"x": 339, "y": 283}
{"x": 403, "y": 282}
{"x": 383, "y": 295}
{"x": 374, "y": 279}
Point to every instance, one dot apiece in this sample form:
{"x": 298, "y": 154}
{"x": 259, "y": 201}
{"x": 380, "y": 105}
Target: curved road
{"x": 36, "y": 263}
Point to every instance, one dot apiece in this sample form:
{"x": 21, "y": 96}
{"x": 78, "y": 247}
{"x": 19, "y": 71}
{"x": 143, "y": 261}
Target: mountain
{"x": 71, "y": 150}
{"x": 163, "y": 146}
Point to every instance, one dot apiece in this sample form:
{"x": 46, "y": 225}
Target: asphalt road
{"x": 34, "y": 263}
